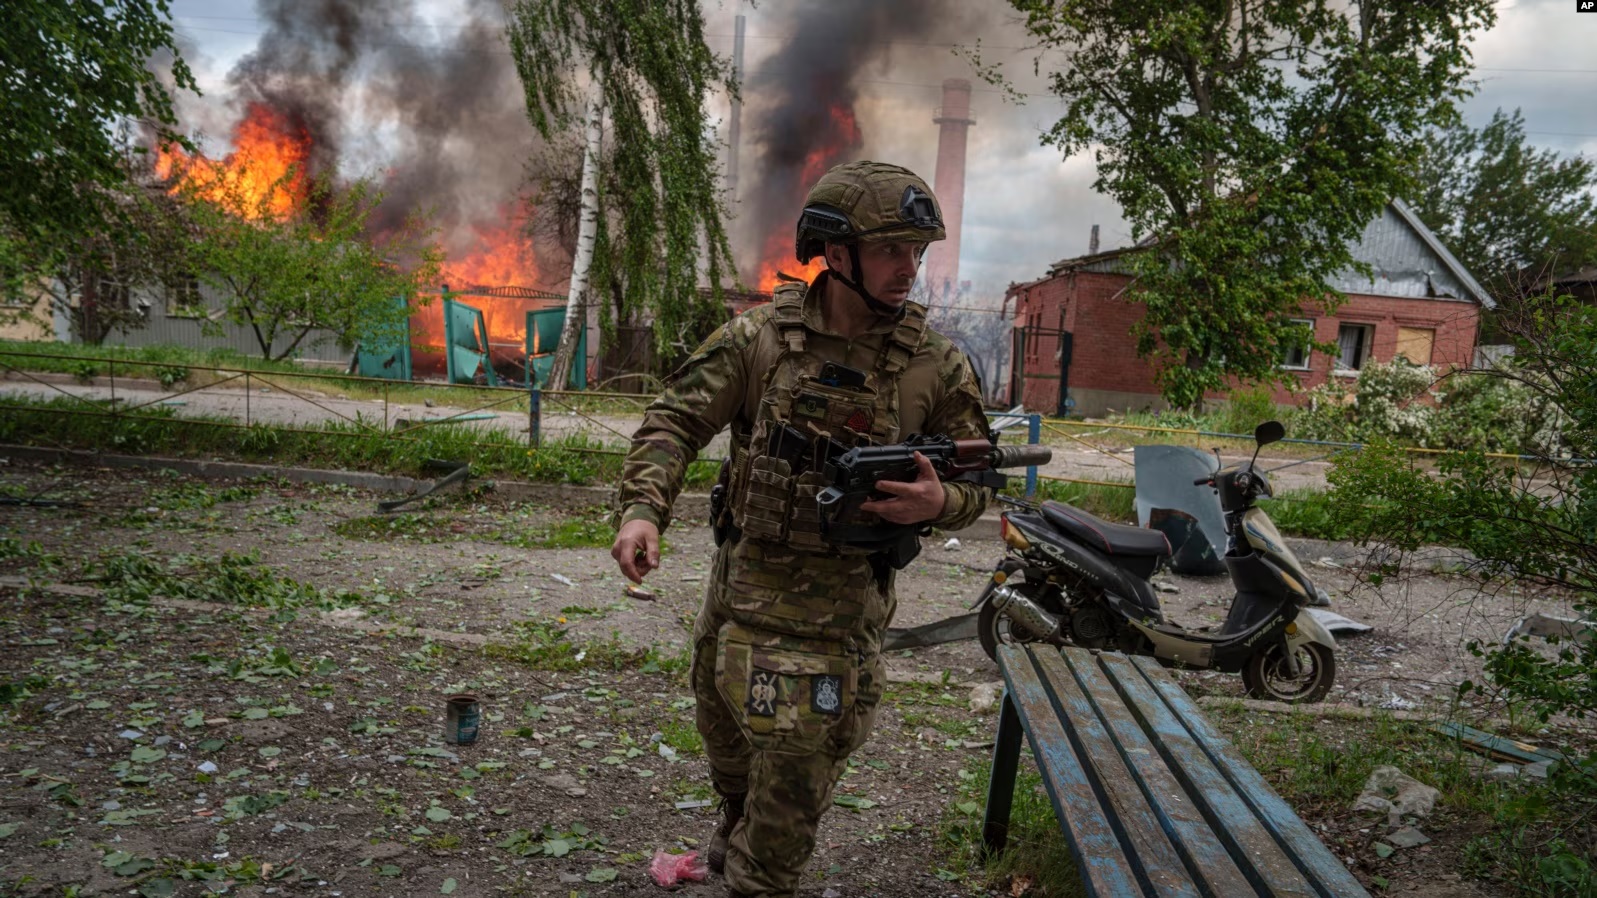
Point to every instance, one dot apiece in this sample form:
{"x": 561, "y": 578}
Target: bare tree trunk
{"x": 588, "y": 225}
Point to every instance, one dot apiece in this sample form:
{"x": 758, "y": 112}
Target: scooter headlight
{"x": 1012, "y": 534}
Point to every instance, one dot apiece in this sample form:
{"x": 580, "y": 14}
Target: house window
{"x": 1353, "y": 346}
{"x": 183, "y": 298}
{"x": 1415, "y": 344}
{"x": 1297, "y": 354}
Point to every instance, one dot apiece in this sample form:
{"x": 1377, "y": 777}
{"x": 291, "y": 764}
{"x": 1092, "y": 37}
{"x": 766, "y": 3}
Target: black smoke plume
{"x": 434, "y": 112}
{"x": 827, "y": 51}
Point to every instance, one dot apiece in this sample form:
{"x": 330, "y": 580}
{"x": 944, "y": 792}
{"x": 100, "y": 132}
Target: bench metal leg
{"x": 1001, "y": 787}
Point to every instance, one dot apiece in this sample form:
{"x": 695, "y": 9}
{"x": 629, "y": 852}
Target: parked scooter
{"x": 1069, "y": 578}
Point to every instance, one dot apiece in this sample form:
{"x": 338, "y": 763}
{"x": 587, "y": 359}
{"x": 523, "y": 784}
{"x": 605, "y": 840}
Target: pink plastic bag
{"x": 670, "y": 869}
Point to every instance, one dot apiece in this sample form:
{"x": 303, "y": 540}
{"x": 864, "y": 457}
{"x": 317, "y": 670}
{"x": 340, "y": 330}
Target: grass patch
{"x": 542, "y": 645}
{"x": 171, "y": 364}
{"x": 1036, "y": 849}
{"x": 682, "y": 736}
{"x": 1112, "y": 503}
{"x": 73, "y": 423}
{"x": 133, "y": 579}
{"x": 1529, "y": 847}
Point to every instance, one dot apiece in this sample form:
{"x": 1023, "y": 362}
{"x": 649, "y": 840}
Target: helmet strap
{"x": 871, "y": 302}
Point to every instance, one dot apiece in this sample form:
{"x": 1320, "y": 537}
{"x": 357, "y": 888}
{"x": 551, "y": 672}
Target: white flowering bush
{"x": 1412, "y": 405}
{"x": 1387, "y": 401}
{"x": 1490, "y": 412}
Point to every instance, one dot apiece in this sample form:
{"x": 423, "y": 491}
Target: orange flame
{"x": 495, "y": 255}
{"x": 843, "y": 138}
{"x": 264, "y": 175}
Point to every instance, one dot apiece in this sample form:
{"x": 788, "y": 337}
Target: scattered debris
{"x": 562, "y": 578}
{"x": 1396, "y": 794}
{"x": 670, "y": 869}
{"x": 1497, "y": 747}
{"x": 1338, "y": 624}
{"x": 962, "y": 626}
{"x": 693, "y": 805}
{"x": 632, "y": 591}
{"x": 1395, "y": 702}
{"x": 1165, "y": 586}
{"x": 1546, "y": 626}
{"x": 952, "y": 544}
{"x": 1407, "y": 837}
{"x": 457, "y": 472}
{"x": 984, "y": 697}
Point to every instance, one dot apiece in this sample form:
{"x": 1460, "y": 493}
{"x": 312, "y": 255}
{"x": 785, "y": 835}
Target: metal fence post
{"x": 534, "y": 412}
{"x": 1034, "y": 436}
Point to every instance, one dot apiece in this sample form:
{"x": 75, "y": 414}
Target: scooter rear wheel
{"x": 1266, "y": 677}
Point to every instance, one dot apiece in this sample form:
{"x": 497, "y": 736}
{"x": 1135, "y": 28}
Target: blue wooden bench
{"x": 1151, "y": 799}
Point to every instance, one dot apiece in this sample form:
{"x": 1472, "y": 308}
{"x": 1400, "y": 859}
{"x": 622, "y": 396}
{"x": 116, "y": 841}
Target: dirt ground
{"x": 284, "y": 749}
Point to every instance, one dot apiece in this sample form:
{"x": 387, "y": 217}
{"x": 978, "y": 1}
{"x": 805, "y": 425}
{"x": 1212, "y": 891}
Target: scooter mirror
{"x": 1268, "y": 432}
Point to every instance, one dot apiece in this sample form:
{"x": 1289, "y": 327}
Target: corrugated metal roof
{"x": 1406, "y": 259}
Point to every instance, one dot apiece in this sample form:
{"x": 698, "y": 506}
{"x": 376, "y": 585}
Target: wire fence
{"x": 178, "y": 379}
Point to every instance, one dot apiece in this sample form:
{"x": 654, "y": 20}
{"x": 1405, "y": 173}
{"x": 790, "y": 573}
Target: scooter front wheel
{"x": 1265, "y": 674}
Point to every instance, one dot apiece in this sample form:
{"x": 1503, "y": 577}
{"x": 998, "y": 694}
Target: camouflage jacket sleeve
{"x": 700, "y": 399}
{"x": 960, "y": 415}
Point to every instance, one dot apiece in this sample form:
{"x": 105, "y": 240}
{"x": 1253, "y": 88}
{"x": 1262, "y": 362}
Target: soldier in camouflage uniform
{"x": 787, "y": 668}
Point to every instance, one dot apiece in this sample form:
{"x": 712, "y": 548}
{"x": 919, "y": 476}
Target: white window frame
{"x": 1307, "y": 350}
{"x": 1365, "y": 349}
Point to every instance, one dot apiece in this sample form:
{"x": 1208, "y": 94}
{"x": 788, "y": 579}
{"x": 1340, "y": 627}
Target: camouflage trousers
{"x": 786, "y": 793}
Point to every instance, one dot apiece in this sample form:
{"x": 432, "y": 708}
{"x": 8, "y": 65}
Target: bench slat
{"x": 1329, "y": 875}
{"x": 1250, "y": 844}
{"x": 1141, "y": 834}
{"x": 1203, "y": 856}
{"x": 1104, "y": 867}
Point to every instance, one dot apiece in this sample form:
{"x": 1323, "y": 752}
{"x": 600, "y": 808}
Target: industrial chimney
{"x": 942, "y": 266}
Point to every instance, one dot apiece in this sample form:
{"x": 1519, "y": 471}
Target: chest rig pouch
{"x": 803, "y": 415}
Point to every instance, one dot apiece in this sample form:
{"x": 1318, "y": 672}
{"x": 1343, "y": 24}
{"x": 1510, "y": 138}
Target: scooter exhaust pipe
{"x": 1025, "y": 613}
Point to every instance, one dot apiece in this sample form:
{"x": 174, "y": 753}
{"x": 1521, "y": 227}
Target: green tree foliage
{"x": 313, "y": 275}
{"x": 1531, "y": 524}
{"x": 661, "y": 227}
{"x": 72, "y": 72}
{"x": 1251, "y": 142}
{"x": 1514, "y": 212}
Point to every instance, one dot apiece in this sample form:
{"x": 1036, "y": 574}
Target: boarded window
{"x": 1415, "y": 343}
{"x": 1353, "y": 346}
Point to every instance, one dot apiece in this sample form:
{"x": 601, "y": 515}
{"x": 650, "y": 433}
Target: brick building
{"x": 1074, "y": 353}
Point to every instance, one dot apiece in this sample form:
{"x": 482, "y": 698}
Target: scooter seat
{"x": 1110, "y": 539}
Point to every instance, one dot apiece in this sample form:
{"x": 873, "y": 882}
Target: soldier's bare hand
{"x": 637, "y": 549}
{"x": 911, "y": 503}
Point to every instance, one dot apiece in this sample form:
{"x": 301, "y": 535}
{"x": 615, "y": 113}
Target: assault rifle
{"x": 853, "y": 475}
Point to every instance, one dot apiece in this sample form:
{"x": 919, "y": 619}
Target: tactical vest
{"x": 788, "y": 577}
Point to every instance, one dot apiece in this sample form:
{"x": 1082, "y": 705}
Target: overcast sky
{"x": 1025, "y": 206}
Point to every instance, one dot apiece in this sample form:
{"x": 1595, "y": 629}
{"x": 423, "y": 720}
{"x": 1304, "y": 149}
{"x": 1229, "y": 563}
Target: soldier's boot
{"x": 731, "y": 813}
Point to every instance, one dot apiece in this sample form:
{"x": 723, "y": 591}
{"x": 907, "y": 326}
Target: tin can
{"x": 461, "y": 715}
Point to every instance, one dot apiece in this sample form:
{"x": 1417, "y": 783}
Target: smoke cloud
{"x": 433, "y": 112}
{"x": 802, "y": 114}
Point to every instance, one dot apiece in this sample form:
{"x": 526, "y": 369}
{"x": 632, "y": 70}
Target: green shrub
{"x": 1247, "y": 409}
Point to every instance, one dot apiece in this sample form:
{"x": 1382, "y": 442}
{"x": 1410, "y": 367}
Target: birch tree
{"x": 659, "y": 232}
{"x": 587, "y": 228}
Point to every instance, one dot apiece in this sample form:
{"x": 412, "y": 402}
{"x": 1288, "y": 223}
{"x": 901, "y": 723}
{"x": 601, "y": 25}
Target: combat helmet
{"x": 866, "y": 201}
